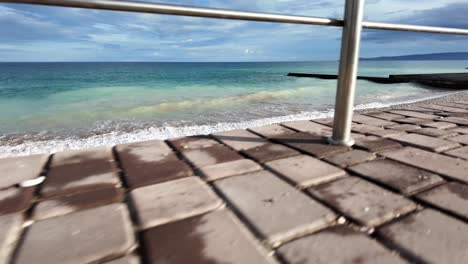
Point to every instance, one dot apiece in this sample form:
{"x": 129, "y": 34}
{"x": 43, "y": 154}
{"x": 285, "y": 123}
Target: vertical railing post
{"x": 349, "y": 59}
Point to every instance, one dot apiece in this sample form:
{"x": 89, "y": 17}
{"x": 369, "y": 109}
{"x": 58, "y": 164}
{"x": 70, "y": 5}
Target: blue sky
{"x": 39, "y": 33}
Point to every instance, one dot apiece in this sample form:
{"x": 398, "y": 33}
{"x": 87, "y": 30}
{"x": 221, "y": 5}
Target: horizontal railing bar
{"x": 156, "y": 8}
{"x": 414, "y": 28}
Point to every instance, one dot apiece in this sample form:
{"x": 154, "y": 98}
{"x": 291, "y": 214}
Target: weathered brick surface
{"x": 16, "y": 199}
{"x": 457, "y": 120}
{"x": 193, "y": 142}
{"x": 210, "y": 155}
{"x": 82, "y": 237}
{"x": 240, "y": 139}
{"x": 272, "y": 130}
{"x": 459, "y": 152}
{"x": 365, "y": 202}
{"x": 405, "y": 127}
{"x": 413, "y": 121}
{"x": 350, "y": 158}
{"x": 80, "y": 177}
{"x": 376, "y": 131}
{"x": 338, "y": 245}
{"x": 461, "y": 130}
{"x": 434, "y": 132}
{"x": 305, "y": 171}
{"x": 384, "y": 115}
{"x": 69, "y": 203}
{"x": 211, "y": 238}
{"x": 446, "y": 108}
{"x": 269, "y": 152}
{"x": 415, "y": 114}
{"x": 327, "y": 121}
{"x": 98, "y": 154}
{"x": 431, "y": 236}
{"x": 309, "y": 127}
{"x": 451, "y": 196}
{"x": 277, "y": 211}
{"x": 227, "y": 169}
{"x": 362, "y": 119}
{"x": 10, "y": 229}
{"x": 398, "y": 176}
{"x": 171, "y": 201}
{"x": 456, "y": 105}
{"x": 440, "y": 125}
{"x": 18, "y": 169}
{"x": 145, "y": 167}
{"x": 376, "y": 144}
{"x": 441, "y": 164}
{"x": 460, "y": 139}
{"x": 311, "y": 144}
{"x": 426, "y": 142}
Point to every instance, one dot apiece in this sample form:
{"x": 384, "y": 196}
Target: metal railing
{"x": 352, "y": 25}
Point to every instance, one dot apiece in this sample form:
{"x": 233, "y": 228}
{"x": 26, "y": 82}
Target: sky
{"x": 40, "y": 33}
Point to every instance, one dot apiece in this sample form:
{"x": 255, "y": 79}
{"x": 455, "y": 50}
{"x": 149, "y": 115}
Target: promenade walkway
{"x": 271, "y": 194}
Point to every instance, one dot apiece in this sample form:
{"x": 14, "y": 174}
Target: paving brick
{"x": 376, "y": 144}
{"x": 415, "y": 114}
{"x": 363, "y": 201}
{"x": 398, "y": 176}
{"x": 414, "y": 121}
{"x": 337, "y": 245}
{"x": 461, "y": 130}
{"x": 309, "y": 127}
{"x": 456, "y": 105}
{"x": 350, "y": 158}
{"x": 452, "y": 196}
{"x": 272, "y": 130}
{"x": 171, "y": 201}
{"x": 193, "y": 142}
{"x": 425, "y": 142}
{"x": 305, "y": 171}
{"x": 431, "y": 236}
{"x": 240, "y": 139}
{"x": 404, "y": 127}
{"x": 446, "y": 108}
{"x": 210, "y": 155}
{"x": 362, "y": 119}
{"x": 125, "y": 260}
{"x": 211, "y": 238}
{"x": 269, "y": 152}
{"x": 19, "y": 169}
{"x": 80, "y": 177}
{"x": 461, "y": 102}
{"x": 82, "y": 237}
{"x": 459, "y": 152}
{"x": 441, "y": 164}
{"x": 150, "y": 150}
{"x": 312, "y": 144}
{"x": 328, "y": 121}
{"x": 384, "y": 115}
{"x": 276, "y": 210}
{"x": 150, "y": 164}
{"x": 70, "y": 203}
{"x": 10, "y": 226}
{"x": 375, "y": 131}
{"x": 457, "y": 120}
{"x": 440, "y": 125}
{"x": 434, "y": 132}
{"x": 228, "y": 169}
{"x": 98, "y": 154}
{"x": 460, "y": 139}
{"x": 16, "y": 199}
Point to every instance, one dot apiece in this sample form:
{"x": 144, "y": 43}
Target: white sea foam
{"x": 109, "y": 139}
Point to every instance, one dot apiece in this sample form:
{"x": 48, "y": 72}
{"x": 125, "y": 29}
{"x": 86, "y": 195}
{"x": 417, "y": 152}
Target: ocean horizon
{"x": 51, "y": 106}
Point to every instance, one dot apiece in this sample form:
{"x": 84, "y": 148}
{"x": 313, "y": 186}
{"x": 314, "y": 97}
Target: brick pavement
{"x": 272, "y": 194}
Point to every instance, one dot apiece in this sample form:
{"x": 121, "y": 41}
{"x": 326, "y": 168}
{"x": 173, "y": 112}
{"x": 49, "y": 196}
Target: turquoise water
{"x": 43, "y": 102}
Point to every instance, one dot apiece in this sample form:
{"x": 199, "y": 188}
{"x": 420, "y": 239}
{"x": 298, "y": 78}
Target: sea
{"x": 49, "y": 107}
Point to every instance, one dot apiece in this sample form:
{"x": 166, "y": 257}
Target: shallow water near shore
{"x": 48, "y": 107}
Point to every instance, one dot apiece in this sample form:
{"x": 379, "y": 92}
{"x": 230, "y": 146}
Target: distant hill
{"x": 430, "y": 56}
